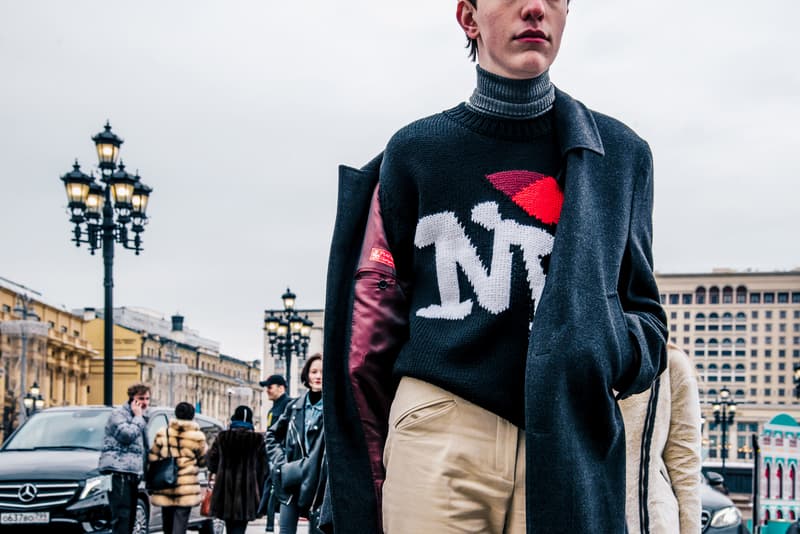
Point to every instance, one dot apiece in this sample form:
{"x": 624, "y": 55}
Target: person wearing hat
{"x": 276, "y": 393}
{"x": 238, "y": 461}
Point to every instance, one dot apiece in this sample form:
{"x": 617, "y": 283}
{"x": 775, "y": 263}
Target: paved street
{"x": 257, "y": 527}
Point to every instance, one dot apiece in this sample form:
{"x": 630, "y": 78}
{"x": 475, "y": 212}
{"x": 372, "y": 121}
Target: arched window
{"x": 793, "y": 482}
{"x": 741, "y": 295}
{"x": 767, "y": 481}
{"x": 741, "y": 316}
{"x": 739, "y": 367}
{"x": 700, "y": 317}
{"x": 727, "y": 317}
{"x": 726, "y": 367}
{"x": 727, "y": 295}
{"x": 713, "y": 295}
{"x": 726, "y": 342}
{"x": 739, "y": 395}
{"x": 699, "y": 342}
{"x": 713, "y": 317}
{"x": 699, "y": 366}
{"x": 779, "y": 477}
{"x": 712, "y": 392}
{"x": 700, "y": 295}
{"x": 740, "y": 342}
{"x": 712, "y": 367}
{"x": 713, "y": 343}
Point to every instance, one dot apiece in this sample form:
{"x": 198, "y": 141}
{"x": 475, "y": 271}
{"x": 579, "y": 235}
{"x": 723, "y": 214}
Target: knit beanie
{"x": 243, "y": 413}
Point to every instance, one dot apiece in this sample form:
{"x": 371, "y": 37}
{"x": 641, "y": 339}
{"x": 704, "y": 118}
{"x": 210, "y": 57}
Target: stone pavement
{"x": 257, "y": 526}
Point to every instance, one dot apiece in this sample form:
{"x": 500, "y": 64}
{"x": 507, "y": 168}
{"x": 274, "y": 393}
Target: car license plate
{"x": 19, "y": 518}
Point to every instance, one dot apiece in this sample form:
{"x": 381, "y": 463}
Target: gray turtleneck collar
{"x": 506, "y": 98}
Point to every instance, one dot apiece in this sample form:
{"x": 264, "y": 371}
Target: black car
{"x": 720, "y": 515}
{"x": 49, "y": 479}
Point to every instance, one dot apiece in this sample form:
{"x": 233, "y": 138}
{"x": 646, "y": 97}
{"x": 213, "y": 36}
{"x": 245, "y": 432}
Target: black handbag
{"x": 162, "y": 473}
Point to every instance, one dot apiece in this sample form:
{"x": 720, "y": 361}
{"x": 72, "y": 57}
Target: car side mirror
{"x": 715, "y": 480}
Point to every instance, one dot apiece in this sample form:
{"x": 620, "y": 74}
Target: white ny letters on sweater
{"x": 453, "y": 248}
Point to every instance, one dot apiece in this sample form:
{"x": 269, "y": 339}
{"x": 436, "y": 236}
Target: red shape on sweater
{"x": 539, "y": 195}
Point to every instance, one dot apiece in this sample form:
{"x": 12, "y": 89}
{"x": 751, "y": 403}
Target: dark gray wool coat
{"x": 599, "y": 323}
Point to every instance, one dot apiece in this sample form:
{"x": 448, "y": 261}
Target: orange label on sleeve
{"x": 381, "y": 255}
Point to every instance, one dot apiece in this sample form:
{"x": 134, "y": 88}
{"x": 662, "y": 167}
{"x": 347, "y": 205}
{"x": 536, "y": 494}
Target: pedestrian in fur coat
{"x": 188, "y": 444}
{"x": 662, "y": 431}
{"x": 238, "y": 459}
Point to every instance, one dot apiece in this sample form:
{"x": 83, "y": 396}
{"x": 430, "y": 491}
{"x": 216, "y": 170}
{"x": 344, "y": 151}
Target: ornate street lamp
{"x": 288, "y": 333}
{"x": 33, "y": 401}
{"x": 105, "y": 212}
{"x": 724, "y": 409}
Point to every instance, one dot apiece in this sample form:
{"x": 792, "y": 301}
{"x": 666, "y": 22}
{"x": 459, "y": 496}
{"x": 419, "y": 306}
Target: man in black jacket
{"x": 474, "y": 355}
{"x": 276, "y": 392}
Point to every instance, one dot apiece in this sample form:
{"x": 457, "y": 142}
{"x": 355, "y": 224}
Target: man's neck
{"x": 502, "y": 97}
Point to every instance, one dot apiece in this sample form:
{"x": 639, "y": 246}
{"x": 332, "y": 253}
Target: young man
{"x": 490, "y": 293}
{"x": 124, "y": 449}
{"x": 276, "y": 393}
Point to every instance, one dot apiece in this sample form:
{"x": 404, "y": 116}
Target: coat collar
{"x": 575, "y": 125}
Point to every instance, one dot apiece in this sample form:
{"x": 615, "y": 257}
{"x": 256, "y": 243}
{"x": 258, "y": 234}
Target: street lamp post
{"x": 24, "y": 311}
{"x": 724, "y": 413}
{"x": 105, "y": 212}
{"x": 288, "y": 333}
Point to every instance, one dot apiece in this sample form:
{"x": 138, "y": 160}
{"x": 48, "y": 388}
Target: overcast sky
{"x": 237, "y": 113}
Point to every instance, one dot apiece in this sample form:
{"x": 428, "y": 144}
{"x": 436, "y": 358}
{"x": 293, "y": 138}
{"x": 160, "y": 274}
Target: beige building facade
{"x": 742, "y": 329}
{"x": 57, "y": 353}
{"x": 177, "y": 363}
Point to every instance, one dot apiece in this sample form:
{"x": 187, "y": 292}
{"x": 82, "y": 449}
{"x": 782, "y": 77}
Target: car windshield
{"x": 79, "y": 429}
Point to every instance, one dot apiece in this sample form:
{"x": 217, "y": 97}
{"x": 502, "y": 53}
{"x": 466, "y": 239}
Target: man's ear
{"x": 465, "y": 13}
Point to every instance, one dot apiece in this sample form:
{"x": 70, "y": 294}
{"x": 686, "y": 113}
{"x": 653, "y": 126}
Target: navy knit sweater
{"x": 470, "y": 204}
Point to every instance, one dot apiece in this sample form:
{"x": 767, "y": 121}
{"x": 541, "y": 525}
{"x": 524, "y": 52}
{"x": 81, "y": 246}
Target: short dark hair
{"x": 137, "y": 389}
{"x": 307, "y": 369}
{"x": 184, "y": 411}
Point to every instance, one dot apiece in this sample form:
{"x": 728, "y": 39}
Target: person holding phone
{"x": 122, "y": 456}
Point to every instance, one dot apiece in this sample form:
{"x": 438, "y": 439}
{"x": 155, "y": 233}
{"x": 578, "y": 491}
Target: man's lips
{"x": 529, "y": 36}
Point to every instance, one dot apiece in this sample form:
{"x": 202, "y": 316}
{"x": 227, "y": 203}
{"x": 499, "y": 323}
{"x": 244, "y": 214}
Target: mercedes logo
{"x": 27, "y": 493}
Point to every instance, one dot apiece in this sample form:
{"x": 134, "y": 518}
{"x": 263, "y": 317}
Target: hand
{"x": 136, "y": 408}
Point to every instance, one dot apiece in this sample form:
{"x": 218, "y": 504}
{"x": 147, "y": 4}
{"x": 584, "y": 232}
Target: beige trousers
{"x": 451, "y": 466}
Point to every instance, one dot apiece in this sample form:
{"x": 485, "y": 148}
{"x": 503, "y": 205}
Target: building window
{"x": 767, "y": 366}
{"x": 768, "y": 340}
{"x": 6, "y": 308}
{"x": 663, "y": 298}
{"x": 768, "y": 314}
{"x": 781, "y": 366}
{"x": 687, "y": 315}
{"x": 753, "y": 379}
{"x": 753, "y": 392}
{"x": 783, "y": 298}
{"x": 673, "y": 328}
{"x": 755, "y": 298}
{"x": 700, "y": 317}
{"x": 673, "y": 315}
{"x": 754, "y": 327}
{"x": 700, "y": 327}
{"x": 753, "y": 366}
{"x": 699, "y": 353}
{"x": 686, "y": 341}
{"x": 753, "y": 353}
{"x": 754, "y": 314}
{"x": 686, "y": 298}
{"x": 768, "y": 327}
{"x": 686, "y": 327}
{"x": 713, "y": 295}
{"x": 796, "y": 298}
{"x": 727, "y": 295}
{"x": 769, "y": 298}
{"x": 700, "y": 295}
{"x": 781, "y": 340}
{"x": 674, "y": 298}
{"x": 768, "y": 392}
{"x": 768, "y": 353}
{"x": 781, "y": 380}
{"x": 754, "y": 340}
{"x": 782, "y": 327}
{"x": 63, "y": 329}
{"x": 781, "y": 391}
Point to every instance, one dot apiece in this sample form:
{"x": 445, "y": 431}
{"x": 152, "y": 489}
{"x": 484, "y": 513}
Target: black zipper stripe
{"x": 644, "y": 465}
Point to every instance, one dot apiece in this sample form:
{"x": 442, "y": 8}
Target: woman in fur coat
{"x": 663, "y": 479}
{"x": 238, "y": 459}
{"x": 188, "y": 444}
